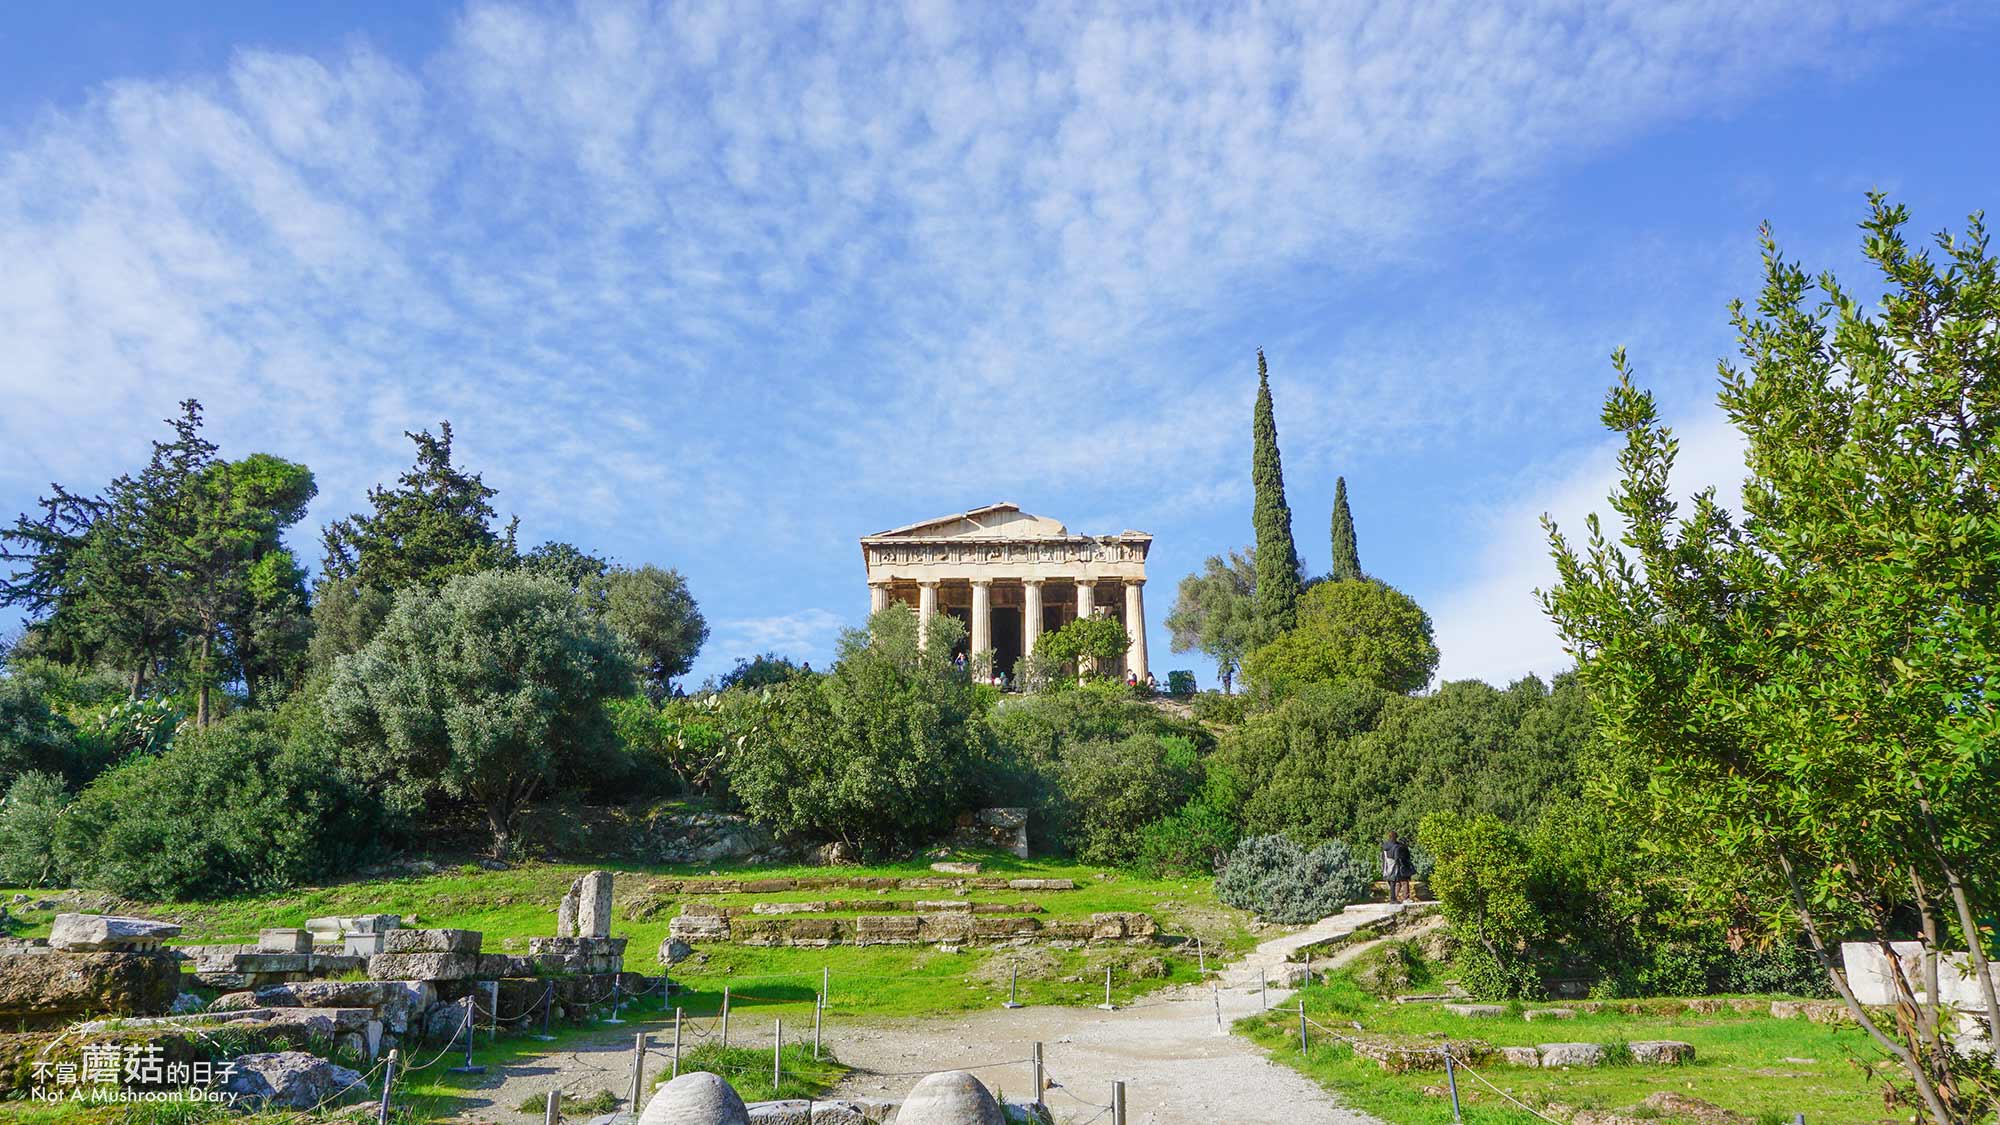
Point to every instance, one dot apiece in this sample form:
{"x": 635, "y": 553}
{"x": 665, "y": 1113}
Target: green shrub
{"x": 1791, "y": 970}
{"x": 1180, "y": 683}
{"x": 250, "y": 805}
{"x": 1489, "y": 977}
{"x": 1195, "y": 840}
{"x": 1112, "y": 788}
{"x": 28, "y": 818}
{"x": 32, "y": 736}
{"x": 1283, "y": 882}
{"x": 1215, "y": 707}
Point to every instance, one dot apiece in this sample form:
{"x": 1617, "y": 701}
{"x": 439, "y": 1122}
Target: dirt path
{"x": 1178, "y": 1066}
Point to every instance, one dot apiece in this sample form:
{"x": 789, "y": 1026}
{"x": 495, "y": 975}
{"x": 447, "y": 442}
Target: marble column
{"x": 1086, "y": 597}
{"x": 982, "y": 616}
{"x": 1031, "y": 614}
{"x": 926, "y": 606}
{"x": 1135, "y": 627}
{"x": 878, "y": 597}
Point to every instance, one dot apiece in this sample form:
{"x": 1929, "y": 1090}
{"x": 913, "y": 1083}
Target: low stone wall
{"x": 697, "y": 925}
{"x": 48, "y": 987}
{"x": 885, "y": 906}
{"x": 852, "y": 883}
{"x": 230, "y": 972}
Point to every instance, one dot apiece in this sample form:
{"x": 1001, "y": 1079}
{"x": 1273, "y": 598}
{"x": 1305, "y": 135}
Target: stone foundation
{"x": 559, "y": 956}
{"x": 960, "y": 927}
{"x": 48, "y": 987}
{"x": 836, "y": 882}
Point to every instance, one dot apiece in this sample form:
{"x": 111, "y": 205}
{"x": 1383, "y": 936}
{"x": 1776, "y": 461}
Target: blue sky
{"x": 724, "y": 287}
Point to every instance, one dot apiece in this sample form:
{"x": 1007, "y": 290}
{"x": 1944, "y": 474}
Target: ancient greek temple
{"x": 1010, "y": 576}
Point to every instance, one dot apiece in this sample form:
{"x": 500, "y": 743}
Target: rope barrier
{"x": 449, "y": 1048}
{"x": 1467, "y": 1067}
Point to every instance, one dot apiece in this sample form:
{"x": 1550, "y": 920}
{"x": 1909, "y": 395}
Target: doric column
{"x": 878, "y": 597}
{"x": 982, "y": 616}
{"x": 1031, "y": 614}
{"x": 1086, "y": 596}
{"x": 926, "y": 606}
{"x": 1135, "y": 627}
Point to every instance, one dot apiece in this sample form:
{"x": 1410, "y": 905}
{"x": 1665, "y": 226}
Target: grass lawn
{"x": 1765, "y": 1068}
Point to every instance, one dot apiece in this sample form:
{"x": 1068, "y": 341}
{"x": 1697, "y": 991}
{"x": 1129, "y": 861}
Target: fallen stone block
{"x": 423, "y": 966}
{"x": 56, "y": 987}
{"x": 1041, "y": 884}
{"x": 673, "y": 951}
{"x": 948, "y": 867}
{"x": 284, "y": 941}
{"x": 431, "y": 941}
{"x": 944, "y": 928}
{"x": 1003, "y": 927}
{"x": 1662, "y": 1052}
{"x": 505, "y": 965}
{"x": 1535, "y": 1014}
{"x": 398, "y": 1002}
{"x": 1520, "y": 1056}
{"x": 691, "y": 927}
{"x": 105, "y": 933}
{"x": 290, "y": 1080}
{"x": 1573, "y": 1054}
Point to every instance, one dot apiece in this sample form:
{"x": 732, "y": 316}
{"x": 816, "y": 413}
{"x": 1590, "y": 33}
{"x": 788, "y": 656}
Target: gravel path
{"x": 1178, "y": 1067}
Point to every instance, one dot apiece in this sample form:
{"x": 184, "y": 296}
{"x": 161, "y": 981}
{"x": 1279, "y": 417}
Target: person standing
{"x": 1398, "y": 868}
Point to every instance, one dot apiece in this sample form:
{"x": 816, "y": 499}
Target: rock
{"x": 837, "y": 854}
{"x": 284, "y": 941}
{"x": 186, "y": 1004}
{"x": 20, "y": 900}
{"x": 104, "y": 933}
{"x": 290, "y": 1080}
{"x": 423, "y": 966}
{"x": 398, "y": 1002}
{"x": 949, "y": 867}
{"x": 1549, "y": 1014}
{"x": 1667, "y": 1103}
{"x": 593, "y": 904}
{"x": 235, "y": 1002}
{"x": 695, "y": 1098}
{"x": 673, "y": 951}
{"x": 52, "y": 987}
{"x": 1520, "y": 1056}
{"x": 951, "y": 1098}
{"x": 798, "y": 1111}
{"x": 1573, "y": 1054}
{"x": 446, "y": 1022}
{"x": 1662, "y": 1052}
{"x": 1149, "y": 968}
{"x": 431, "y": 941}
{"x": 1477, "y": 1011}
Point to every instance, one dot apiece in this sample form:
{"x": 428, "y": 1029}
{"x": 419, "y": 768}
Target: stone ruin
{"x": 946, "y": 1098}
{"x": 89, "y": 963}
{"x": 1873, "y": 980}
{"x": 961, "y": 925}
{"x": 993, "y": 828}
{"x": 583, "y": 941}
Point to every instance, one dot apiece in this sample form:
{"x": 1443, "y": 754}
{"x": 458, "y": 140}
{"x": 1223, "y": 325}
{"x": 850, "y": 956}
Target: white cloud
{"x": 808, "y": 634}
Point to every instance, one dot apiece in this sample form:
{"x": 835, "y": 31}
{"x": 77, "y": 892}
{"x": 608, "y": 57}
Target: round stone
{"x": 951, "y": 1098}
{"x": 695, "y": 1098}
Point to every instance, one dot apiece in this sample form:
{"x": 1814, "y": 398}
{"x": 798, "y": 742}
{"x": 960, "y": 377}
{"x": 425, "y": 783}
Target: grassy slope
{"x": 1740, "y": 1062}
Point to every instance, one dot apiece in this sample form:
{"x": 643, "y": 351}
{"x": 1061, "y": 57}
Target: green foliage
{"x": 881, "y": 751}
{"x": 436, "y": 524}
{"x": 1283, "y": 882}
{"x": 1345, "y": 564}
{"x": 1197, "y": 839}
{"x": 1112, "y": 788}
{"x": 1180, "y": 684}
{"x": 28, "y": 819}
{"x": 1079, "y": 650}
{"x": 653, "y": 611}
{"x": 32, "y": 736}
{"x": 1277, "y": 557}
{"x": 1215, "y": 612}
{"x": 1360, "y": 630}
{"x": 1482, "y": 874}
{"x": 255, "y": 803}
{"x": 567, "y": 563}
{"x": 1217, "y": 707}
{"x": 490, "y": 690}
{"x": 1809, "y": 690}
{"x": 768, "y": 670}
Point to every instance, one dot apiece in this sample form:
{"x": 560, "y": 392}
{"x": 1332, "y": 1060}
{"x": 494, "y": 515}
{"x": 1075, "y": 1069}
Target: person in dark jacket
{"x": 1398, "y": 868}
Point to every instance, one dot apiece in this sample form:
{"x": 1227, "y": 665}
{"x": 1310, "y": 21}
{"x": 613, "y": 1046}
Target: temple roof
{"x": 993, "y": 521}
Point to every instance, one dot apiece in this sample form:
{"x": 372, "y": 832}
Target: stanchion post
{"x": 1107, "y": 1005}
{"x": 1013, "y": 986}
{"x": 819, "y": 1009}
{"x": 552, "y": 1108}
{"x": 1309, "y": 970}
{"x": 471, "y": 1006}
{"x": 725, "y": 1017}
{"x": 1215, "y": 990}
{"x": 548, "y": 1006}
{"x": 777, "y": 1054}
{"x": 1302, "y": 1026}
{"x": 1451, "y": 1082}
{"x": 677, "y": 1045}
{"x": 613, "y": 1017}
{"x": 825, "y": 981}
{"x": 1200, "y": 957}
{"x": 388, "y": 1081}
{"x": 1040, "y": 1079}
{"x": 1263, "y": 991}
{"x": 1118, "y": 1103}
{"x": 638, "y": 1073}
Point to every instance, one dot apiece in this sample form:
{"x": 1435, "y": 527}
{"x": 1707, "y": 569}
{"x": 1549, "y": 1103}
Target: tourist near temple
{"x": 1010, "y": 576}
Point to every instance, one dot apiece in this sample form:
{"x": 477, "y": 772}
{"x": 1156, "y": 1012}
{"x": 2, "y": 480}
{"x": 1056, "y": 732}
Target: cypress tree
{"x": 1346, "y": 553}
{"x": 1277, "y": 558}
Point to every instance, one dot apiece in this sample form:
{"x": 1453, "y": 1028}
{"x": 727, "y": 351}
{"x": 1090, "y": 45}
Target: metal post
{"x": 1302, "y": 1026}
{"x": 819, "y": 1009}
{"x": 777, "y": 1054}
{"x": 470, "y": 1007}
{"x": 1118, "y": 1103}
{"x": 548, "y": 1006}
{"x": 1215, "y": 990}
{"x": 1263, "y": 991}
{"x": 825, "y": 981}
{"x": 388, "y": 1080}
{"x": 1201, "y": 957}
{"x": 552, "y": 1108}
{"x": 1013, "y": 986}
{"x": 1451, "y": 1080}
{"x": 1309, "y": 970}
{"x": 493, "y": 1017}
{"x": 725, "y": 1017}
{"x": 1040, "y": 1080}
{"x": 1107, "y": 1006}
{"x": 638, "y": 1071}
{"x": 677, "y": 1045}
{"x": 613, "y": 1017}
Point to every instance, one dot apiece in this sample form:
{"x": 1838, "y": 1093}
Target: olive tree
{"x": 490, "y": 690}
{"x": 1811, "y": 686}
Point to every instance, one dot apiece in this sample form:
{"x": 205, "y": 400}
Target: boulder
{"x": 1520, "y": 1056}
{"x": 1573, "y": 1054}
{"x": 54, "y": 987}
{"x": 235, "y": 1002}
{"x": 673, "y": 951}
{"x": 431, "y": 941}
{"x": 186, "y": 1004}
{"x": 446, "y": 1022}
{"x": 104, "y": 933}
{"x": 290, "y": 1080}
{"x": 424, "y": 966}
{"x": 951, "y": 1098}
{"x": 695, "y": 1098}
{"x": 1662, "y": 1052}
{"x": 1477, "y": 1011}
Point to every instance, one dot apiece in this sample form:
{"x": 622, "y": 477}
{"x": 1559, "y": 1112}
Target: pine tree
{"x": 1277, "y": 557}
{"x": 1346, "y": 552}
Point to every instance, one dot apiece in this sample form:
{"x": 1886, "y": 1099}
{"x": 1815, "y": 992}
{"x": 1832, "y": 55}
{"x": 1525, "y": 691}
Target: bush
{"x": 1113, "y": 788}
{"x": 251, "y": 805}
{"x": 1489, "y": 977}
{"x": 1180, "y": 683}
{"x": 1195, "y": 840}
{"x": 1283, "y": 882}
{"x": 32, "y": 736}
{"x": 28, "y": 830}
{"x": 1791, "y": 970}
{"x": 1215, "y": 707}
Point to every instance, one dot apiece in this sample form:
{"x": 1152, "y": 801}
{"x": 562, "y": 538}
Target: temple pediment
{"x": 994, "y": 521}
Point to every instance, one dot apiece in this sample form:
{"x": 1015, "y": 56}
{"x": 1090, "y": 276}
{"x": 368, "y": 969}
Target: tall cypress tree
{"x": 1277, "y": 558}
{"x": 1346, "y": 552}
